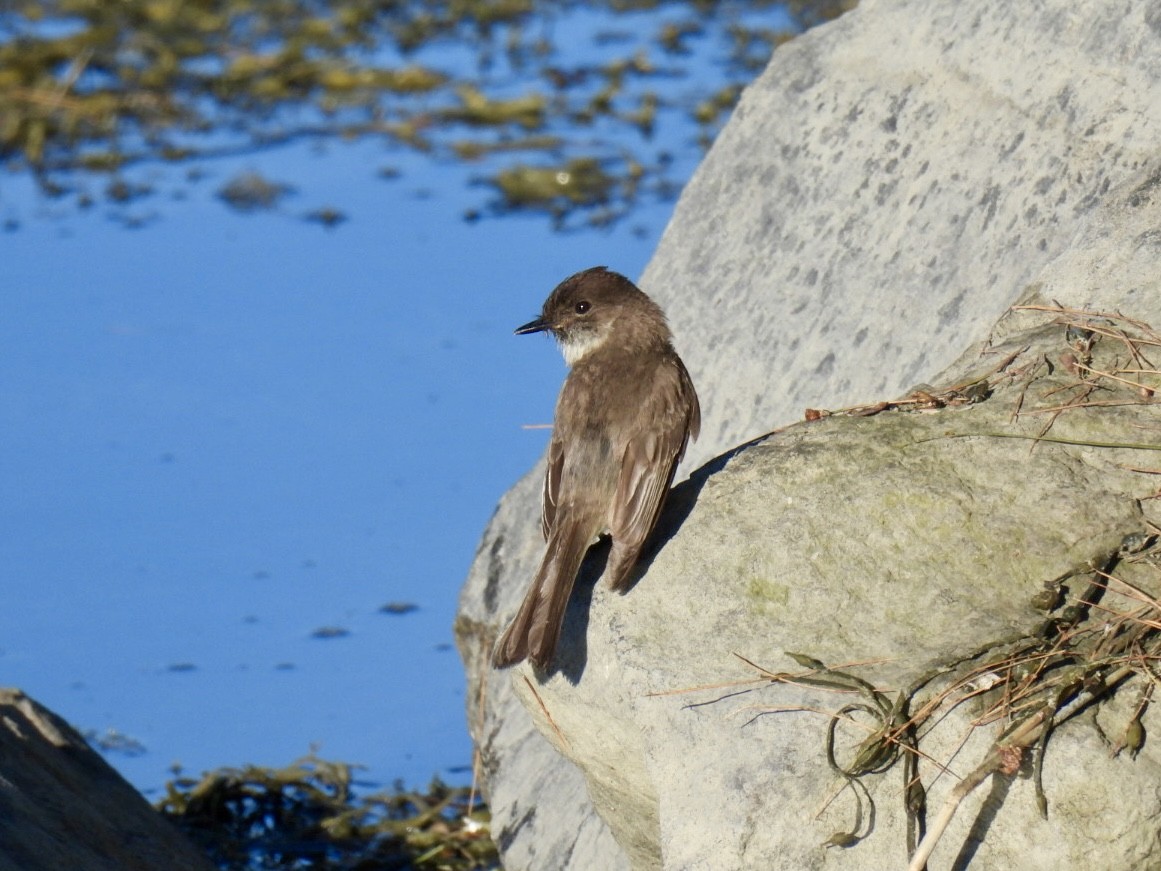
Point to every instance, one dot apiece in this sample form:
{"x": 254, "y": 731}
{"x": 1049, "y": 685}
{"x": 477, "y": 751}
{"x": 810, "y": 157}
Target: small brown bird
{"x": 625, "y": 414}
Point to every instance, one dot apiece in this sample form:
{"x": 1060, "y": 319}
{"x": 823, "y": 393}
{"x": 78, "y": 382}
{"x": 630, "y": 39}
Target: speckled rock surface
{"x": 888, "y": 187}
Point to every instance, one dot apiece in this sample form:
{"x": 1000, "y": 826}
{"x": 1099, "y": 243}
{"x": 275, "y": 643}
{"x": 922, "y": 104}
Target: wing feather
{"x": 647, "y": 468}
{"x": 552, "y": 476}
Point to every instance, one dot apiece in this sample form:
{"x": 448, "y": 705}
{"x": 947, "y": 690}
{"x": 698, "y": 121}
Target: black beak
{"x": 537, "y": 326}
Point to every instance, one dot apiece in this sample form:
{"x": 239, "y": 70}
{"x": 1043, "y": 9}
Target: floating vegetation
{"x": 114, "y": 741}
{"x": 556, "y": 190}
{"x": 327, "y": 216}
{"x": 120, "y": 190}
{"x": 398, "y": 608}
{"x": 90, "y": 88}
{"x": 250, "y": 192}
{"x": 307, "y": 815}
{"x": 326, "y": 633}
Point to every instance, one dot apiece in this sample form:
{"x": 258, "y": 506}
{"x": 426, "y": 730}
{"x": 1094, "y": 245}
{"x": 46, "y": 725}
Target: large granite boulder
{"x": 885, "y": 191}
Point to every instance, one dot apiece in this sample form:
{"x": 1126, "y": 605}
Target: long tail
{"x": 533, "y": 632}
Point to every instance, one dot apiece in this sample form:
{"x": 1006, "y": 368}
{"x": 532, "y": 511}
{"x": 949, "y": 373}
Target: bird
{"x": 624, "y": 416}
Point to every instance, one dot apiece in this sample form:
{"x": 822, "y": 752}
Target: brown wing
{"x": 647, "y": 469}
{"x": 551, "y": 496}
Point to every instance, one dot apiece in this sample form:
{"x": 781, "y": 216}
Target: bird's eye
{"x": 582, "y": 307}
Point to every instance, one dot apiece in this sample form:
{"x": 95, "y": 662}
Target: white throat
{"x": 577, "y": 348}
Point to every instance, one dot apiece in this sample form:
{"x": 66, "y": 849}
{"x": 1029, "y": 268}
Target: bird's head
{"x": 596, "y": 306}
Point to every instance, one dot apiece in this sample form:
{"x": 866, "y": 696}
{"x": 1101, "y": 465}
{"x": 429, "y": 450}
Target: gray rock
{"x": 888, "y": 187}
{"x": 63, "y": 806}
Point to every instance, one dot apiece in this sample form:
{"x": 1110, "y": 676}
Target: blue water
{"x": 221, "y": 433}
